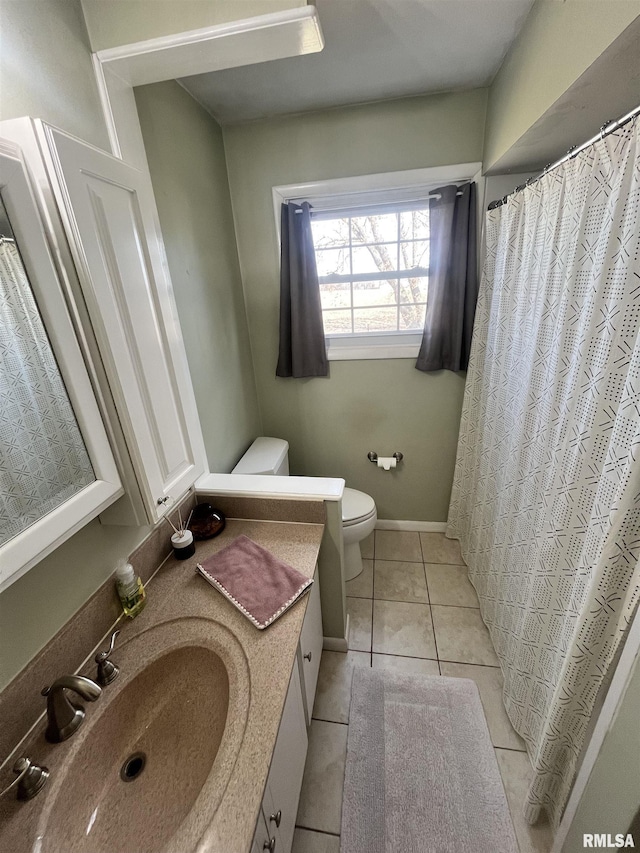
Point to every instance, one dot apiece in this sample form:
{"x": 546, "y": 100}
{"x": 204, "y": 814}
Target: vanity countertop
{"x": 178, "y": 593}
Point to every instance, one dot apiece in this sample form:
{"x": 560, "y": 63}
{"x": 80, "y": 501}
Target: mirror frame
{"x": 27, "y": 548}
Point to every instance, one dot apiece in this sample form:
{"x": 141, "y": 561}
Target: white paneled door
{"x": 110, "y": 217}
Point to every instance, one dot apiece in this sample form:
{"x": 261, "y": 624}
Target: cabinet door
{"x": 108, "y": 212}
{"x": 310, "y": 649}
{"x": 56, "y": 466}
{"x": 287, "y": 766}
{"x": 262, "y": 837}
{"x": 272, "y": 818}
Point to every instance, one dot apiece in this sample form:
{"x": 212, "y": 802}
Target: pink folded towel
{"x": 260, "y": 585}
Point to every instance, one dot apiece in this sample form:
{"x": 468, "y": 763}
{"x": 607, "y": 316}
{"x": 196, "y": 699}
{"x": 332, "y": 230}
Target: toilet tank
{"x": 265, "y": 456}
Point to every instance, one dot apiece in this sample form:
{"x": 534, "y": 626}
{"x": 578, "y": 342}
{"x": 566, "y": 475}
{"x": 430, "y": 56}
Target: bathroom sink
{"x": 150, "y": 767}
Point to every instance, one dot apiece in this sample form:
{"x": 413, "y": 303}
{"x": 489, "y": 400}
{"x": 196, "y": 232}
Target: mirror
{"x": 43, "y": 459}
{"x": 57, "y": 471}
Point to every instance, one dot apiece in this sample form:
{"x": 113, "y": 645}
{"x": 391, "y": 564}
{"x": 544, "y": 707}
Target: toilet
{"x": 271, "y": 456}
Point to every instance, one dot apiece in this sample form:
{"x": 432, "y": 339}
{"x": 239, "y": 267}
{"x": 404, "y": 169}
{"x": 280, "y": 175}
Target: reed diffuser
{"x": 181, "y": 538}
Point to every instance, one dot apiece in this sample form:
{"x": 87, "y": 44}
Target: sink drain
{"x": 133, "y": 766}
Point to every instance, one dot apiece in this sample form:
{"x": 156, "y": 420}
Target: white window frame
{"x": 368, "y": 191}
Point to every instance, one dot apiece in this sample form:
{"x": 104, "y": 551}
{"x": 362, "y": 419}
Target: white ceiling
{"x": 374, "y": 50}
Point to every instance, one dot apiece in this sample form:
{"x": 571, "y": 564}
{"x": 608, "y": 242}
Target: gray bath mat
{"x": 421, "y": 773}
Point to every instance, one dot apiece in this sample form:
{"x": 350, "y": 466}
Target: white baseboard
{"x": 337, "y": 644}
{"x": 417, "y": 526}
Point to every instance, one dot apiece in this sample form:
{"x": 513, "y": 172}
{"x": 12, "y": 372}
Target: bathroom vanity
{"x": 200, "y": 743}
{"x": 217, "y": 709}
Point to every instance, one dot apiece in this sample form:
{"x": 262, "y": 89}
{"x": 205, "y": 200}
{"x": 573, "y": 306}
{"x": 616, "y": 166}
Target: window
{"x": 373, "y": 269}
{"x": 371, "y": 238}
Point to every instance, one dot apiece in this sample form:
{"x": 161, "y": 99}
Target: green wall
{"x": 186, "y": 159}
{"x": 46, "y": 72}
{"x": 385, "y": 406}
{"x": 115, "y": 22}
{"x": 557, "y": 43}
{"x": 45, "y": 67}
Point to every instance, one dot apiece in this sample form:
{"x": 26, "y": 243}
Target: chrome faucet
{"x": 64, "y": 718}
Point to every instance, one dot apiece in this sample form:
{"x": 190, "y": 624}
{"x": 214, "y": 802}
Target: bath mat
{"x": 421, "y": 774}
{"x": 260, "y": 585}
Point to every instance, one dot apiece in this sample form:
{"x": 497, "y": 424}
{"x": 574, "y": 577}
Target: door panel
{"x": 108, "y": 212}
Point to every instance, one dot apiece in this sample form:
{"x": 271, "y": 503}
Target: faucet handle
{"x": 64, "y": 717}
{"x": 107, "y": 670}
{"x": 30, "y": 780}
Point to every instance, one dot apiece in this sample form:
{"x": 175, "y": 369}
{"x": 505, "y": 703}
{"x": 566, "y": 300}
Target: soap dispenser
{"x": 130, "y": 589}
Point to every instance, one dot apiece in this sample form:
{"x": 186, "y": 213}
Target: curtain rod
{"x": 428, "y": 195}
{"x": 607, "y": 128}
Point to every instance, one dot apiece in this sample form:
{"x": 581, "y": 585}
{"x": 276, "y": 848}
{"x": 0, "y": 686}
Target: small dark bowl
{"x": 207, "y": 522}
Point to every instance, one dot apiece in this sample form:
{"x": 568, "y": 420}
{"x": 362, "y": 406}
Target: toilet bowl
{"x": 271, "y": 456}
{"x": 359, "y": 518}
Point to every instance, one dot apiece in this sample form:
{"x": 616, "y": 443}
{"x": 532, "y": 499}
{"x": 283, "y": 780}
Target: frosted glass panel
{"x": 43, "y": 459}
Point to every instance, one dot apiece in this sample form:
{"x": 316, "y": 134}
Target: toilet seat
{"x": 356, "y": 507}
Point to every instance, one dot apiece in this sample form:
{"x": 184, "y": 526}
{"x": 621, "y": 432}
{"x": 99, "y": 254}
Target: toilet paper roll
{"x": 387, "y": 462}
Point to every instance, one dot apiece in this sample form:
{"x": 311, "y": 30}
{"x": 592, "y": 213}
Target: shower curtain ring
{"x": 604, "y": 127}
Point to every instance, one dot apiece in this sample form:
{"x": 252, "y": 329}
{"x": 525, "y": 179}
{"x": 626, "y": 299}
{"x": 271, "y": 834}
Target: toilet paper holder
{"x": 372, "y": 456}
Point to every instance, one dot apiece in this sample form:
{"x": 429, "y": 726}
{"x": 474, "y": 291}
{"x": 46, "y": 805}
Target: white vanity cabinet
{"x": 277, "y": 818}
{"x": 109, "y": 224}
{"x": 282, "y": 792}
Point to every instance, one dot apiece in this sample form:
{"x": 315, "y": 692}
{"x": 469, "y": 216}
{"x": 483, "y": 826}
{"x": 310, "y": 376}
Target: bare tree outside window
{"x": 373, "y": 271}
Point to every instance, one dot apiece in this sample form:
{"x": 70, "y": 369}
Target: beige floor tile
{"x": 362, "y": 586}
{"x": 395, "y": 581}
{"x": 419, "y": 665}
{"x": 360, "y": 615}
{"x": 517, "y": 773}
{"x": 398, "y": 545}
{"x": 403, "y": 629}
{"x": 366, "y": 547}
{"x": 307, "y": 841}
{"x": 436, "y": 548}
{"x": 462, "y": 636}
{"x": 489, "y": 681}
{"x": 320, "y": 804}
{"x": 450, "y": 585}
{"x": 333, "y": 693}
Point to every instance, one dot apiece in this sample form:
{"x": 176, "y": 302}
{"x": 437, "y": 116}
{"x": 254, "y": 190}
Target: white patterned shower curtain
{"x": 546, "y": 494}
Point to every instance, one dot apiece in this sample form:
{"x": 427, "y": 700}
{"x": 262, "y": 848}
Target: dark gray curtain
{"x": 453, "y": 280}
{"x": 302, "y": 347}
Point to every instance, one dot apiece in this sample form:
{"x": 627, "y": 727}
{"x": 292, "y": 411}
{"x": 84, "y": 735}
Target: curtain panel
{"x": 302, "y": 351}
{"x": 546, "y": 494}
{"x": 453, "y": 279}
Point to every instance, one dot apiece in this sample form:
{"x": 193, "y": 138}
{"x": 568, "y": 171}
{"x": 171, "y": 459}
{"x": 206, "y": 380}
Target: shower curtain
{"x": 546, "y": 494}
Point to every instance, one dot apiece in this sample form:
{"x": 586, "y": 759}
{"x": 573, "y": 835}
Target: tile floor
{"x": 412, "y": 608}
